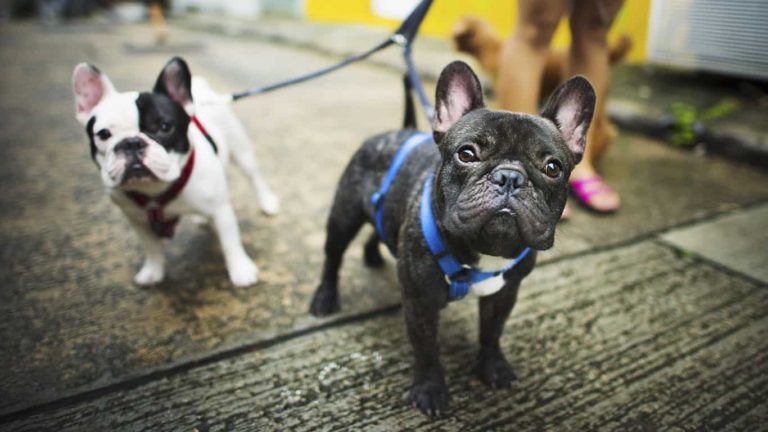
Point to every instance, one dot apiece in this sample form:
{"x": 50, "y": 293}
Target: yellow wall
{"x": 633, "y": 18}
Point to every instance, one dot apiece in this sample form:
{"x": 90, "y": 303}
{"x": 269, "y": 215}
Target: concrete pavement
{"x": 625, "y": 325}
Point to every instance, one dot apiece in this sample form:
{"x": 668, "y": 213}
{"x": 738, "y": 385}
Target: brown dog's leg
{"x": 476, "y": 37}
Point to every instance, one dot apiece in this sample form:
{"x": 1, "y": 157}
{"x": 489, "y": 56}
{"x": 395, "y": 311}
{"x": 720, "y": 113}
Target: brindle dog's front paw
{"x": 430, "y": 397}
{"x": 494, "y": 370}
{"x": 325, "y": 302}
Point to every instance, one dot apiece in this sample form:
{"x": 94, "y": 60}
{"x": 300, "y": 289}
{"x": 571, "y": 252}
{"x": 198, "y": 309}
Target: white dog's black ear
{"x": 90, "y": 86}
{"x": 458, "y": 92}
{"x": 175, "y": 81}
{"x": 570, "y": 108}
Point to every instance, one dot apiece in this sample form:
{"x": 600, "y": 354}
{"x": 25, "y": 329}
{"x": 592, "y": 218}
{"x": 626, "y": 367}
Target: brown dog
{"x": 476, "y": 37}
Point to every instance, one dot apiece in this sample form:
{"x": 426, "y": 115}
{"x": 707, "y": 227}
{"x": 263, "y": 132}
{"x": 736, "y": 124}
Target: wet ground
{"x": 651, "y": 318}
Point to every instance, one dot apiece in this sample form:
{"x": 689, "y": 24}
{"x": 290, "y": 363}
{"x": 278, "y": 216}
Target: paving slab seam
{"x": 653, "y": 235}
{"x": 711, "y": 263}
{"x": 181, "y": 367}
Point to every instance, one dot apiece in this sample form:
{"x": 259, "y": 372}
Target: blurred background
{"x": 708, "y": 35}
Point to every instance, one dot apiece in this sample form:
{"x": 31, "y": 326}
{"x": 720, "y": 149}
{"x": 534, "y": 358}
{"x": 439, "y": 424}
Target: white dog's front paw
{"x": 270, "y": 204}
{"x": 243, "y": 272}
{"x": 150, "y": 274}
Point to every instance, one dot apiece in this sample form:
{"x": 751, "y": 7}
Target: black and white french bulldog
{"x": 500, "y": 185}
{"x": 158, "y": 164}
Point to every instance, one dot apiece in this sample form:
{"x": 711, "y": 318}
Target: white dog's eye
{"x": 104, "y": 134}
{"x": 166, "y": 127}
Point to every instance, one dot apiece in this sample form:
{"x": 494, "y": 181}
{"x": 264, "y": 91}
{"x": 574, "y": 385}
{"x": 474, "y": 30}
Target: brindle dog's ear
{"x": 570, "y": 108}
{"x": 458, "y": 92}
{"x": 175, "y": 81}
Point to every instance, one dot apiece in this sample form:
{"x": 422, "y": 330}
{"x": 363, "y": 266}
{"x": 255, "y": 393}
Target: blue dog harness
{"x": 459, "y": 277}
{"x": 377, "y": 199}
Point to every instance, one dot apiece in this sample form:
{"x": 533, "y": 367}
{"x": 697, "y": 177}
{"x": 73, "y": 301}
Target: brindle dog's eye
{"x": 104, "y": 134}
{"x": 166, "y": 127}
{"x": 467, "y": 154}
{"x": 552, "y": 169}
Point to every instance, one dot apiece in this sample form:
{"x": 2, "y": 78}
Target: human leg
{"x": 590, "y": 21}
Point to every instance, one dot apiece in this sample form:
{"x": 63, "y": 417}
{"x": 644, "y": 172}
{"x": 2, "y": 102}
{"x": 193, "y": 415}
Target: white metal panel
{"x": 726, "y": 36}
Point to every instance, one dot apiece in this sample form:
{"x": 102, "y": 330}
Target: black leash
{"x": 311, "y": 75}
{"x": 403, "y": 36}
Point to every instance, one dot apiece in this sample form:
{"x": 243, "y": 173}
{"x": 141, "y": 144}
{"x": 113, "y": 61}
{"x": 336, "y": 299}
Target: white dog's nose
{"x": 130, "y": 145}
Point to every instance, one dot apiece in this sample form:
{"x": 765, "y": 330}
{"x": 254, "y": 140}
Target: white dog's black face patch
{"x": 163, "y": 120}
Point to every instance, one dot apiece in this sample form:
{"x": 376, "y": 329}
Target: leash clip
{"x": 459, "y": 284}
{"x": 460, "y": 276}
{"x": 152, "y": 204}
{"x": 399, "y": 39}
{"x": 375, "y": 198}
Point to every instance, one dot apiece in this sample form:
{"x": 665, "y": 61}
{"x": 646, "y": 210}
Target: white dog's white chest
{"x": 492, "y": 285}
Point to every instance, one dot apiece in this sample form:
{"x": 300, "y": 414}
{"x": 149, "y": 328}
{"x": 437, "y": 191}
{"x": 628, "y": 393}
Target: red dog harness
{"x": 154, "y": 205}
{"x": 159, "y": 225}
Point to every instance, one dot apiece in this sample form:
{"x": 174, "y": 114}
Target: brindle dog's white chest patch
{"x": 488, "y": 263}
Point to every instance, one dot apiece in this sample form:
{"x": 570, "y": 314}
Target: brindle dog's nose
{"x": 508, "y": 180}
{"x": 131, "y": 145}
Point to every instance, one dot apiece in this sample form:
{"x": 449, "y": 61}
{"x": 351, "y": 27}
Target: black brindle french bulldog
{"x": 496, "y": 186}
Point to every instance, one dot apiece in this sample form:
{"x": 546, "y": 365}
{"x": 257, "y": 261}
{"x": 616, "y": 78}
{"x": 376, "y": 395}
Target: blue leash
{"x": 377, "y": 199}
{"x": 459, "y": 277}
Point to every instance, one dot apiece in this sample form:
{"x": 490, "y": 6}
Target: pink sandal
{"x": 585, "y": 189}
